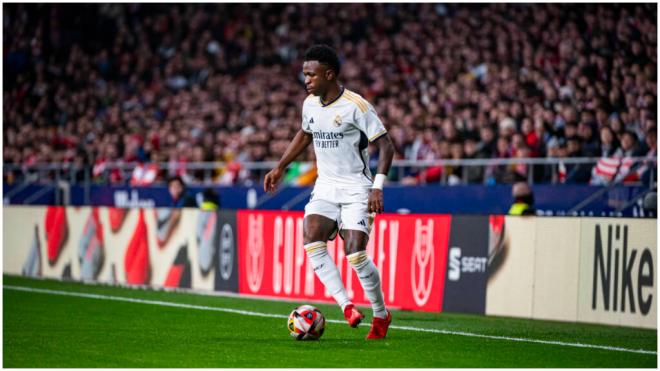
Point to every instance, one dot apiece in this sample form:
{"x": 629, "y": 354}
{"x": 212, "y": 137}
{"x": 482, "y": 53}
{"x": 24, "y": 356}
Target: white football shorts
{"x": 347, "y": 206}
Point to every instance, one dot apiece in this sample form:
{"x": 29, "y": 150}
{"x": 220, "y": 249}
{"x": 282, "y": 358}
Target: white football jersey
{"x": 342, "y": 130}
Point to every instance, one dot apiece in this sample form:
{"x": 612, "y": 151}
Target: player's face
{"x": 316, "y": 77}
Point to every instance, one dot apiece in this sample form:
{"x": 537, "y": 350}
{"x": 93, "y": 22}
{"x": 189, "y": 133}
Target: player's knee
{"x": 355, "y": 241}
{"x": 311, "y": 236}
{"x": 352, "y": 248}
{"x": 315, "y": 230}
{"x": 310, "y": 232}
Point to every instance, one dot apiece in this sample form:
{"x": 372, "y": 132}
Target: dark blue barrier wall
{"x": 33, "y": 194}
{"x": 468, "y": 199}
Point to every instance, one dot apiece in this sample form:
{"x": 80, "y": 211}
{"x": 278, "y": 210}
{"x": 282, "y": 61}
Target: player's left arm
{"x": 386, "y": 153}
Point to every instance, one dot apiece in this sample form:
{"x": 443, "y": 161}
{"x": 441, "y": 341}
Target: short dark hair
{"x": 324, "y": 54}
{"x": 176, "y": 178}
{"x": 632, "y": 134}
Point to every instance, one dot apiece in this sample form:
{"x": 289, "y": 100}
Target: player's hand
{"x": 272, "y": 178}
{"x": 376, "y": 201}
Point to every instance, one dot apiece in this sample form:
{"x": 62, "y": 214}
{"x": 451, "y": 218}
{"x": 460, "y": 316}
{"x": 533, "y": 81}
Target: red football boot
{"x": 353, "y": 315}
{"x": 379, "y": 327}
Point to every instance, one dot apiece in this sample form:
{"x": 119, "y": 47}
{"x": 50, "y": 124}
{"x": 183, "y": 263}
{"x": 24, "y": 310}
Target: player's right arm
{"x": 295, "y": 148}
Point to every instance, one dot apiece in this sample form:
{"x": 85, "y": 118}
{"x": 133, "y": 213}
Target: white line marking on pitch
{"x": 270, "y": 315}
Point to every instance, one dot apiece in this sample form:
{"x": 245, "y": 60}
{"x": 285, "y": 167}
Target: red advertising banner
{"x": 410, "y": 252}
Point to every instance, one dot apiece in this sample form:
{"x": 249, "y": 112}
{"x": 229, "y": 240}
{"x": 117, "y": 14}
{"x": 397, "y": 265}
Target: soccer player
{"x": 341, "y": 124}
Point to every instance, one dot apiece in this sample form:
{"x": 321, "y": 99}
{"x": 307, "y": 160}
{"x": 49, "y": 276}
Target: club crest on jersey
{"x": 337, "y": 121}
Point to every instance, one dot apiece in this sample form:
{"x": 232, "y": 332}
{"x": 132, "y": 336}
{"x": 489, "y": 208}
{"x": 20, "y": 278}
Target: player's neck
{"x": 333, "y": 92}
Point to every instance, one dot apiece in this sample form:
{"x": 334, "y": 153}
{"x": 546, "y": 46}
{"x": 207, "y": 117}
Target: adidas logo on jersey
{"x": 362, "y": 223}
{"x": 311, "y": 120}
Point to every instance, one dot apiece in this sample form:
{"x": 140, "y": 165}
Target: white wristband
{"x": 378, "y": 181}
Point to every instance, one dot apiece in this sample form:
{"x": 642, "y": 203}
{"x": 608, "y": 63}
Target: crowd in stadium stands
{"x": 98, "y": 84}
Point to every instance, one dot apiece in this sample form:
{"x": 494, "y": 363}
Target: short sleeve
{"x": 369, "y": 123}
{"x": 305, "y": 120}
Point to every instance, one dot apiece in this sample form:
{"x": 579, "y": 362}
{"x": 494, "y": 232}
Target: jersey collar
{"x": 341, "y": 92}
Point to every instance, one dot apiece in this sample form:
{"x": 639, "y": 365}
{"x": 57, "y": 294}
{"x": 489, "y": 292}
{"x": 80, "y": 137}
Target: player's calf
{"x": 327, "y": 271}
{"x": 370, "y": 280}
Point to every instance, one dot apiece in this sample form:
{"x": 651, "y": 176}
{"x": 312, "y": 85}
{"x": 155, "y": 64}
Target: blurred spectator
{"x": 210, "y": 200}
{"x": 650, "y": 165}
{"x": 497, "y": 173}
{"x": 620, "y": 166}
{"x": 576, "y": 173}
{"x": 608, "y": 142}
{"x": 179, "y": 193}
{"x": 590, "y": 145}
{"x": 126, "y": 83}
{"x": 523, "y": 199}
{"x": 473, "y": 174}
{"x": 629, "y": 145}
{"x": 455, "y": 173}
{"x": 486, "y": 146}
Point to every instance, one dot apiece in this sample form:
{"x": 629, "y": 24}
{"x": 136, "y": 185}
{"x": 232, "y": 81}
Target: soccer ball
{"x": 306, "y": 323}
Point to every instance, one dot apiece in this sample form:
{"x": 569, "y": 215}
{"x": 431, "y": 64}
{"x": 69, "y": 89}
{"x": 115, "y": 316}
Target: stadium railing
{"x": 67, "y": 173}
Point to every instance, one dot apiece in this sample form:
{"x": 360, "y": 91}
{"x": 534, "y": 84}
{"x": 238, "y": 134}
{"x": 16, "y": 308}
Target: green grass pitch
{"x": 50, "y": 330}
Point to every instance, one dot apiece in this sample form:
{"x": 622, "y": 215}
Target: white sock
{"x": 370, "y": 280}
{"x": 327, "y": 272}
